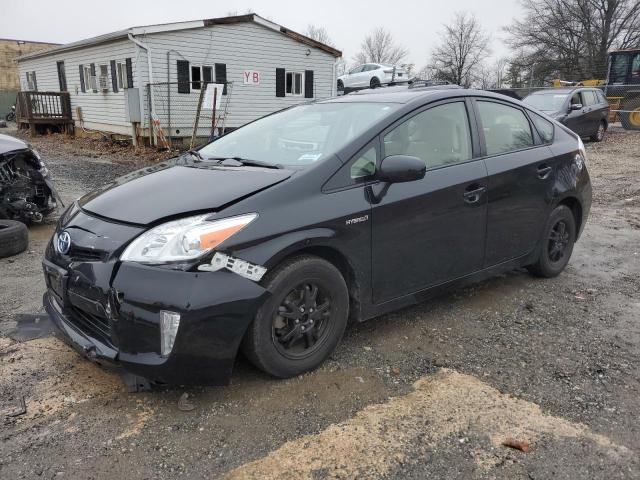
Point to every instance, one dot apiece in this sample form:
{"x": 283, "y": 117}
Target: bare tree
{"x": 463, "y": 47}
{"x": 380, "y": 47}
{"x": 571, "y": 38}
{"x": 319, "y": 34}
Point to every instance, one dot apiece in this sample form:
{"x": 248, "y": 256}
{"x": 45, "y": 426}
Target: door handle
{"x": 473, "y": 194}
{"x": 543, "y": 172}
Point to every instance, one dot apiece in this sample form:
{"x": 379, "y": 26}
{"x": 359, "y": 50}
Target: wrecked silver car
{"x": 27, "y": 193}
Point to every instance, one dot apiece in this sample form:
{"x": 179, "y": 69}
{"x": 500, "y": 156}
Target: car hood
{"x": 168, "y": 190}
{"x": 10, "y": 144}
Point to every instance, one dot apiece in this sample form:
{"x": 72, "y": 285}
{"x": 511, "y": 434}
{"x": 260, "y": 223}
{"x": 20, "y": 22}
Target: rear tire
{"x": 340, "y": 86}
{"x": 302, "y": 322}
{"x": 375, "y": 82}
{"x": 14, "y": 237}
{"x": 599, "y": 135}
{"x": 557, "y": 243}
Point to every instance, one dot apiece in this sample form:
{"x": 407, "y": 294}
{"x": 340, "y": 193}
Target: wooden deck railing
{"x": 43, "y": 107}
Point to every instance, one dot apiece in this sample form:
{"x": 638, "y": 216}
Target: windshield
{"x": 547, "y": 102}
{"x": 298, "y": 136}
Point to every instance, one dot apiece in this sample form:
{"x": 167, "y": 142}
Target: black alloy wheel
{"x": 375, "y": 82}
{"x": 302, "y": 321}
{"x": 557, "y": 243}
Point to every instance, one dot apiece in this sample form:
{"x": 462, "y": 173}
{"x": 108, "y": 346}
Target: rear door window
{"x": 439, "y": 136}
{"x": 506, "y": 129}
{"x": 544, "y": 127}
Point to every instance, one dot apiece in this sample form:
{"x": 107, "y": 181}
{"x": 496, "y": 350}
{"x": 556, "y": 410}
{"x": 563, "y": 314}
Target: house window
{"x": 89, "y": 80}
{"x": 103, "y": 79}
{"x": 294, "y": 83}
{"x": 200, "y": 74}
{"x": 31, "y": 81}
{"x": 121, "y": 73}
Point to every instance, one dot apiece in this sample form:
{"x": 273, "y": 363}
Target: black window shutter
{"x": 35, "y": 82}
{"x": 114, "y": 76}
{"x": 62, "y": 77}
{"x": 129, "y": 68}
{"x": 280, "y": 74}
{"x": 93, "y": 74}
{"x": 221, "y": 76}
{"x": 183, "y": 76}
{"x": 82, "y": 87}
{"x": 308, "y": 84}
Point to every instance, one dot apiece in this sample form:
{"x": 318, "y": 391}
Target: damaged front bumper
{"x": 114, "y": 318}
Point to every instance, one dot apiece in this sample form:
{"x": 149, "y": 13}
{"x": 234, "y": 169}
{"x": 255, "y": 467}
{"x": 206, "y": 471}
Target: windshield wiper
{"x": 195, "y": 153}
{"x": 256, "y": 163}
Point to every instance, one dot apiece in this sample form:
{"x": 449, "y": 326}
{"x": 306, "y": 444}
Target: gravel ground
{"x": 430, "y": 391}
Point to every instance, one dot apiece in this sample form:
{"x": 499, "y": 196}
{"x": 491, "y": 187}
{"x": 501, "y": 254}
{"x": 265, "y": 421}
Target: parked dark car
{"x": 583, "y": 110}
{"x": 271, "y": 237}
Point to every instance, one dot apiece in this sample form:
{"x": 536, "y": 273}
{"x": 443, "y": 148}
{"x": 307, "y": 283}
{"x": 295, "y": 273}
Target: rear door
{"x": 431, "y": 230}
{"x": 520, "y": 172}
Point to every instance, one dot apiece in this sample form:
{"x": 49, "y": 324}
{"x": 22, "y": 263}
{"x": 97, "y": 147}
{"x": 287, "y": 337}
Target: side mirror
{"x": 575, "y": 106}
{"x": 401, "y": 168}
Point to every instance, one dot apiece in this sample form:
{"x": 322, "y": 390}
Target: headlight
{"x": 583, "y": 151}
{"x": 184, "y": 239}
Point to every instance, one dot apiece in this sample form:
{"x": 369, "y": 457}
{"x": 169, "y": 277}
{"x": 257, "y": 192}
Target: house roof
{"x": 170, "y": 27}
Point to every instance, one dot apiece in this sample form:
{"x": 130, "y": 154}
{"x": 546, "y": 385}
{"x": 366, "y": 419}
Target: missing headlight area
{"x": 24, "y": 192}
{"x": 241, "y": 267}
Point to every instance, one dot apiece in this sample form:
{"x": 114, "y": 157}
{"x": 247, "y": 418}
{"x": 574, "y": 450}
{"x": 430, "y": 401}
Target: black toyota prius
{"x": 271, "y": 238}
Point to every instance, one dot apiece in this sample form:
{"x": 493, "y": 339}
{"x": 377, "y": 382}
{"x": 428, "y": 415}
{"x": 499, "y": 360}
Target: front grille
{"x": 82, "y": 254}
{"x": 91, "y": 324}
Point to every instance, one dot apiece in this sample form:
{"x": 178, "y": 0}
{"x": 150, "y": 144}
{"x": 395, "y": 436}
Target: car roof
{"x": 406, "y": 94}
{"x": 562, "y": 90}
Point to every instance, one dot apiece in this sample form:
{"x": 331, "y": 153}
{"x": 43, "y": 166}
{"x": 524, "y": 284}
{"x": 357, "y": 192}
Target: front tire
{"x": 302, "y": 322}
{"x": 557, "y": 243}
{"x": 599, "y": 135}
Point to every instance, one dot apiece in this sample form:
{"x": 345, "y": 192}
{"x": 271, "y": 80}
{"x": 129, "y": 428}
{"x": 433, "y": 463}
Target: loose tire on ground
{"x": 263, "y": 345}
{"x": 561, "y": 226}
{"x": 14, "y": 237}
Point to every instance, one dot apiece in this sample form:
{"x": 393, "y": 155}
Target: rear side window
{"x": 506, "y": 129}
{"x": 544, "y": 127}
{"x": 439, "y": 136}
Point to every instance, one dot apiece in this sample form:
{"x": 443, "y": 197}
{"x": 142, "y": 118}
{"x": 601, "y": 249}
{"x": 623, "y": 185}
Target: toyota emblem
{"x": 63, "y": 243}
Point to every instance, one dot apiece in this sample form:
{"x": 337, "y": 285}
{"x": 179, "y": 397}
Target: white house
{"x": 265, "y": 66}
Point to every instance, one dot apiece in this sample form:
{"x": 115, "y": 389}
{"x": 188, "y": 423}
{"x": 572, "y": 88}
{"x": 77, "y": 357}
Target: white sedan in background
{"x": 372, "y": 75}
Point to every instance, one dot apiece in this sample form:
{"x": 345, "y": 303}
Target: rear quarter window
{"x": 543, "y": 126}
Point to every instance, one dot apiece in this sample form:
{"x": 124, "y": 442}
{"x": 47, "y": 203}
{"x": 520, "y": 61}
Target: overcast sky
{"x": 414, "y": 25}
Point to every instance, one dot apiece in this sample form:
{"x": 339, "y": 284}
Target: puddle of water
{"x": 30, "y": 326}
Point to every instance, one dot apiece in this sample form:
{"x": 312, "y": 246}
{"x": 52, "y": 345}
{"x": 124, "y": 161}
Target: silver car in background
{"x": 372, "y": 75}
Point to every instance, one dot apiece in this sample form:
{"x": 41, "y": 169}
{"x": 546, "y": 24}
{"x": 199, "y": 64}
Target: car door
{"x": 351, "y": 80}
{"x": 576, "y": 119}
{"x": 521, "y": 172}
{"x": 432, "y": 230}
{"x": 593, "y": 114}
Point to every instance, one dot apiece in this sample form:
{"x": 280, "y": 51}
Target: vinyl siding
{"x": 242, "y": 46}
{"x": 101, "y": 111}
